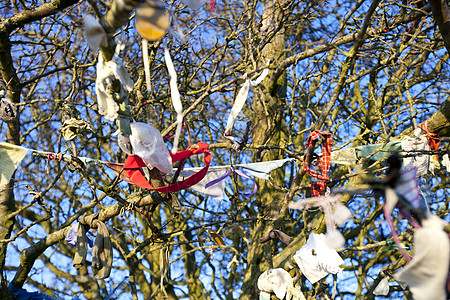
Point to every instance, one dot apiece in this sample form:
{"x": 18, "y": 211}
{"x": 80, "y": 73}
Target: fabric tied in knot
{"x": 134, "y": 168}
{"x": 102, "y": 250}
{"x": 318, "y": 188}
{"x": 273, "y": 234}
{"x": 73, "y": 127}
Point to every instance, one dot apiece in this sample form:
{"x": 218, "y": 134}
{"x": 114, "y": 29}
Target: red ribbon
{"x": 132, "y": 169}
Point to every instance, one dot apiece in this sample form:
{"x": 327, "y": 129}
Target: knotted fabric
{"x": 133, "y": 168}
{"x": 318, "y": 188}
{"x": 102, "y": 251}
{"x": 273, "y": 234}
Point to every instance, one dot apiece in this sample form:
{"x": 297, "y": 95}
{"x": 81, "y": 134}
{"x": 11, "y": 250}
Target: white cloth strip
{"x": 176, "y": 101}
{"x": 146, "y": 65}
{"x": 241, "y": 98}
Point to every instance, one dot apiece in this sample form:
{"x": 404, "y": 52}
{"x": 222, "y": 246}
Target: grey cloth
{"x": 102, "y": 252}
{"x": 8, "y": 111}
{"x": 72, "y": 127}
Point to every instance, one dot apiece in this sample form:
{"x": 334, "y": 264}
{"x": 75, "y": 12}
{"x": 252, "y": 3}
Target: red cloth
{"x": 318, "y": 188}
{"x": 134, "y": 164}
{"x": 433, "y": 138}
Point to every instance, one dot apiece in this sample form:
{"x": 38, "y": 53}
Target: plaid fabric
{"x": 433, "y": 138}
{"x": 325, "y": 160}
{"x": 318, "y": 188}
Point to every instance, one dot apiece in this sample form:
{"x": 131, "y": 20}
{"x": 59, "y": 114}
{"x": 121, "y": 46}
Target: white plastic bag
{"x": 146, "y": 142}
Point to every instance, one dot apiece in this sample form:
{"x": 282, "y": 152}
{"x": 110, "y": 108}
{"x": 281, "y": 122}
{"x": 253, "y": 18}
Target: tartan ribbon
{"x": 318, "y": 188}
{"x": 132, "y": 169}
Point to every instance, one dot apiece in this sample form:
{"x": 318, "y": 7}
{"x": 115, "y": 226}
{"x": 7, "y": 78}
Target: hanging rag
{"x": 94, "y": 34}
{"x": 335, "y": 214}
{"x": 420, "y": 162}
{"x": 262, "y": 169}
{"x": 134, "y": 169}
{"x": 426, "y": 274}
{"x": 408, "y": 189}
{"x": 241, "y": 98}
{"x": 276, "y": 234}
{"x": 344, "y": 157}
{"x": 102, "y": 251}
{"x": 276, "y": 281}
{"x": 378, "y": 151}
{"x": 71, "y": 236}
{"x": 73, "y": 127}
{"x": 216, "y": 190}
{"x": 107, "y": 71}
{"x": 10, "y": 158}
{"x": 318, "y": 188}
{"x": 316, "y": 259}
{"x": 102, "y": 255}
{"x": 23, "y": 294}
{"x": 433, "y": 138}
{"x": 175, "y": 95}
{"x": 8, "y": 110}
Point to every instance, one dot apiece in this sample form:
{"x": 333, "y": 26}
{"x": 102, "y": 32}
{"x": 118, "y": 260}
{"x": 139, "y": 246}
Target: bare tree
{"x": 367, "y": 73}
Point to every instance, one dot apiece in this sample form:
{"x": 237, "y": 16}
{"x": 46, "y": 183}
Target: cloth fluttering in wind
{"x": 318, "y": 188}
{"x": 260, "y": 170}
{"x": 175, "y": 95}
{"x": 241, "y": 98}
{"x": 10, "y": 158}
{"x": 420, "y": 162}
{"x": 426, "y": 274}
{"x": 94, "y": 34}
{"x": 8, "y": 110}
